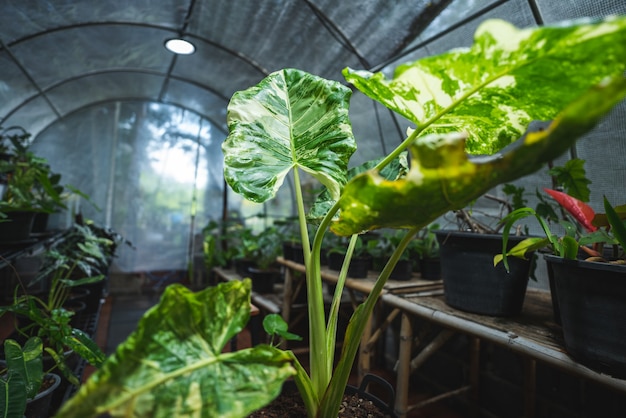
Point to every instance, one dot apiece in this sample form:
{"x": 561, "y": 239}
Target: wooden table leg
{"x": 474, "y": 376}
{"x": 530, "y": 386}
{"x": 404, "y": 368}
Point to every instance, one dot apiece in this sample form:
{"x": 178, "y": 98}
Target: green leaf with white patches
{"x": 290, "y": 119}
{"x": 393, "y": 171}
{"x": 508, "y": 78}
{"x": 173, "y": 364}
{"x": 443, "y": 177}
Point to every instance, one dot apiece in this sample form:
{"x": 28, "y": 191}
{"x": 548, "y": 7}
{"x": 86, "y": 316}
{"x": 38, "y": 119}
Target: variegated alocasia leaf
{"x": 172, "y": 364}
{"x": 290, "y": 119}
{"x": 443, "y": 177}
{"x": 508, "y": 78}
{"x": 393, "y": 171}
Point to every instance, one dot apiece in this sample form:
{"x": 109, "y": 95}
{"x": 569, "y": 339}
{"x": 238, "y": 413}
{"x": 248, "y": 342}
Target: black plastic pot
{"x": 263, "y": 279}
{"x": 242, "y": 266}
{"x": 17, "y": 227}
{"x": 402, "y": 271}
{"x": 293, "y": 251}
{"x": 471, "y": 282}
{"x": 40, "y": 222}
{"x": 386, "y": 408}
{"x": 592, "y": 307}
{"x": 359, "y": 266}
{"x": 430, "y": 268}
{"x": 38, "y": 406}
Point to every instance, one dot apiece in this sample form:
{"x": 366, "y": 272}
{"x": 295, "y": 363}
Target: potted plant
{"x": 361, "y": 259}
{"x": 293, "y": 121}
{"x": 427, "y": 247}
{"x": 471, "y": 281}
{"x": 264, "y": 272}
{"x": 75, "y": 263}
{"x": 588, "y": 282}
{"x": 382, "y": 248}
{"x": 25, "y": 388}
{"x": 30, "y": 187}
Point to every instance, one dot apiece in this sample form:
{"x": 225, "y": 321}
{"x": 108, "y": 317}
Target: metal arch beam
{"x": 43, "y": 93}
{"x": 336, "y": 32}
{"x": 214, "y": 123}
{"x": 249, "y": 61}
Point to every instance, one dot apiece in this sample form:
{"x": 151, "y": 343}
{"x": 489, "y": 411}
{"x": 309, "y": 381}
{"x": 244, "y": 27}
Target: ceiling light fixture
{"x": 180, "y": 46}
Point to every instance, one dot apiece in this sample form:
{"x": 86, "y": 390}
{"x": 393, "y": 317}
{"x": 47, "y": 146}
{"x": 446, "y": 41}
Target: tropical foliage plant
{"x": 590, "y": 232}
{"x": 30, "y": 183}
{"x": 479, "y": 100}
{"x": 22, "y": 377}
{"x": 77, "y": 261}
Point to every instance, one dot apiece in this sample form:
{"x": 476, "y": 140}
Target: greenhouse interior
{"x": 231, "y": 208}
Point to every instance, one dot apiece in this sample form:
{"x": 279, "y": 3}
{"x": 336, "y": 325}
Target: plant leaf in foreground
{"x": 173, "y": 364}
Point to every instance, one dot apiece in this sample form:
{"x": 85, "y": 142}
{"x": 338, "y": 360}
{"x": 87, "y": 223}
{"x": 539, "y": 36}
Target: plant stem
{"x": 320, "y": 374}
{"x": 356, "y": 326}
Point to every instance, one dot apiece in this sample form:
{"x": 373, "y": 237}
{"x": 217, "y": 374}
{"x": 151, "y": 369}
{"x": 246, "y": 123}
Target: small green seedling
{"x": 274, "y": 324}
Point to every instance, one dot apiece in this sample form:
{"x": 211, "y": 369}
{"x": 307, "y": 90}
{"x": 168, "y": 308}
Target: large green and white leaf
{"x": 508, "y": 78}
{"x": 443, "y": 177}
{"x": 290, "y": 119}
{"x": 393, "y": 171}
{"x": 173, "y": 365}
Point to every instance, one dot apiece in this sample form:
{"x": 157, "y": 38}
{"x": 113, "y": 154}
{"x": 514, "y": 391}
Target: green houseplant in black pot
{"x": 471, "y": 281}
{"x": 25, "y": 387}
{"x": 587, "y": 270}
{"x": 360, "y": 262}
{"x": 264, "y": 271}
{"x": 48, "y": 316}
{"x": 292, "y": 122}
{"x": 428, "y": 248}
{"x": 383, "y": 247}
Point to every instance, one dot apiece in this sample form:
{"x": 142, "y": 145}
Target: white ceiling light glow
{"x": 180, "y": 46}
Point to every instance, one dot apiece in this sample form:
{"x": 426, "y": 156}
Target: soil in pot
{"x": 291, "y": 406}
{"x": 470, "y": 280}
{"x": 356, "y": 403}
{"x": 591, "y": 305}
